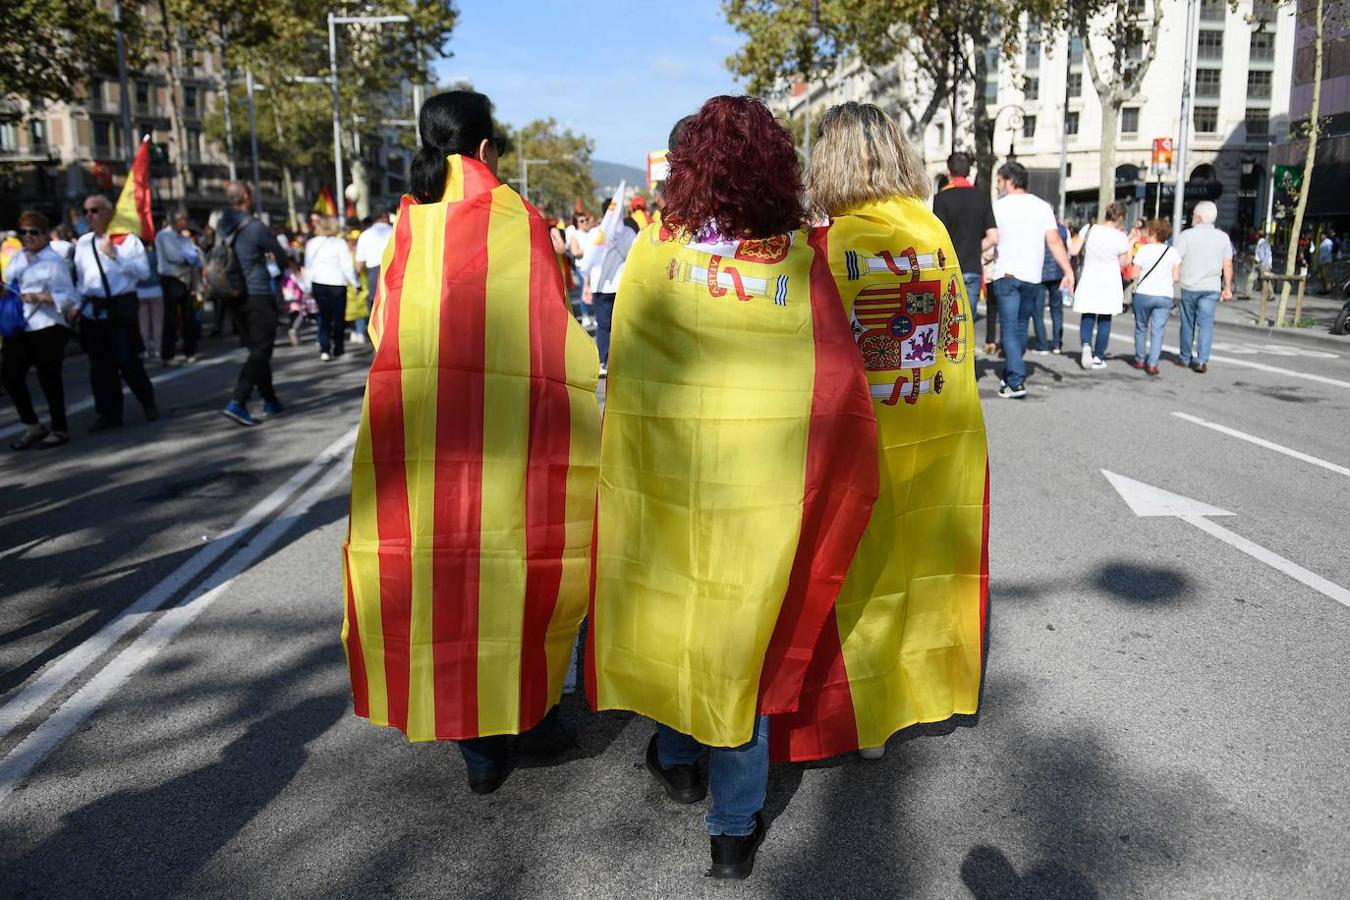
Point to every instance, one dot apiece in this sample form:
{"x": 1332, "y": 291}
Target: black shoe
{"x": 683, "y": 784}
{"x": 487, "y": 781}
{"x": 1199, "y": 368}
{"x": 102, "y": 424}
{"x": 152, "y": 411}
{"x": 733, "y": 856}
{"x": 549, "y": 739}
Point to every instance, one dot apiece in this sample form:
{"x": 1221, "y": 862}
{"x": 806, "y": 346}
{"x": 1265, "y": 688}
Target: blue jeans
{"x": 1054, "y": 297}
{"x": 972, "y": 280}
{"x": 1101, "y": 324}
{"x": 1197, "y": 324}
{"x": 738, "y": 776}
{"x": 602, "y": 306}
{"x": 1016, "y": 303}
{"x": 1150, "y": 322}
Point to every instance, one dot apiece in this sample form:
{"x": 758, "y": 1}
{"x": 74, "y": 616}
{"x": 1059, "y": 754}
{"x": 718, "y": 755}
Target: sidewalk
{"x": 1321, "y": 310}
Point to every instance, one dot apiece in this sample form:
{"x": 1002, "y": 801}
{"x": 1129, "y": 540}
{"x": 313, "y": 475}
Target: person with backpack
{"x": 237, "y": 276}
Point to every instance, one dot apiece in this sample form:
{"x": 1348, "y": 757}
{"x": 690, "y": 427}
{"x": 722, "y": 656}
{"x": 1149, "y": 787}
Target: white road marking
{"x": 32, "y": 750}
{"x": 1245, "y": 363}
{"x": 67, "y": 667}
{"x": 158, "y": 378}
{"x": 1147, "y": 500}
{"x": 1262, "y": 442}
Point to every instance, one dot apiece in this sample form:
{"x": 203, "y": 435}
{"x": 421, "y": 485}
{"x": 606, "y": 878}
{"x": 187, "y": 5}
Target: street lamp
{"x": 813, "y": 35}
{"x": 525, "y": 173}
{"x": 333, "y": 22}
{"x": 1014, "y": 125}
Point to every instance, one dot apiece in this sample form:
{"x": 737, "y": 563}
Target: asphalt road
{"x": 1164, "y": 714}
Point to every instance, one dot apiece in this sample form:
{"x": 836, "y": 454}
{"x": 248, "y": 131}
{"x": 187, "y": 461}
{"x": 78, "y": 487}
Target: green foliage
{"x": 555, "y": 187}
{"x": 50, "y": 47}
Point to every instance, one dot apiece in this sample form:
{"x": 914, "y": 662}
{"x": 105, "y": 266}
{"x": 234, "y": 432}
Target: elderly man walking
{"x": 1206, "y": 280}
{"x": 178, "y": 260}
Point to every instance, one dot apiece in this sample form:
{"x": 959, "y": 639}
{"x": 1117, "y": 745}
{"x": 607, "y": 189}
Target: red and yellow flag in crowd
{"x": 739, "y": 473}
{"x": 904, "y": 643}
{"x": 132, "y": 215}
{"x": 793, "y": 514}
{"x": 473, "y": 480}
{"x": 324, "y": 204}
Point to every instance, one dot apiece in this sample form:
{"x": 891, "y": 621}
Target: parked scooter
{"x": 1342, "y": 323}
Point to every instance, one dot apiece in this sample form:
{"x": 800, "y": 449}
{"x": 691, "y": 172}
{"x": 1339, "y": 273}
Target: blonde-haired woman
{"x": 329, "y": 269}
{"x": 904, "y": 642}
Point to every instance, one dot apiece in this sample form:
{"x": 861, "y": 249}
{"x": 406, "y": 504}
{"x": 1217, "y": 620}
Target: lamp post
{"x": 525, "y": 173}
{"x": 1014, "y": 124}
{"x": 333, "y": 22}
{"x": 253, "y": 138}
{"x": 812, "y": 35}
{"x": 1184, "y": 137}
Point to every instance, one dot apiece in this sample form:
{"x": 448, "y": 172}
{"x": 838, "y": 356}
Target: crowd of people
{"x": 131, "y": 303}
{"x": 1022, "y": 258}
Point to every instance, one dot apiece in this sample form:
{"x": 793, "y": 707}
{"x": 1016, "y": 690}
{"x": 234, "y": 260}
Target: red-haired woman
{"x": 737, "y": 468}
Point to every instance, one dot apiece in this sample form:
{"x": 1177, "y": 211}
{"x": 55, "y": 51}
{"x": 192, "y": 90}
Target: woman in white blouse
{"x": 41, "y": 277}
{"x": 1100, "y": 292}
{"x": 329, "y": 268}
{"x": 1157, "y": 269}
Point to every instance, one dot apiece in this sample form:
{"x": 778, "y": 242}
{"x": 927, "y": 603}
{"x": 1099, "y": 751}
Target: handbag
{"x": 12, "y": 319}
{"x": 1081, "y": 257}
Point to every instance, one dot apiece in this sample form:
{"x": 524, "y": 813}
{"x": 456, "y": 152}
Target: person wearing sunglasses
{"x": 41, "y": 277}
{"x": 107, "y": 270}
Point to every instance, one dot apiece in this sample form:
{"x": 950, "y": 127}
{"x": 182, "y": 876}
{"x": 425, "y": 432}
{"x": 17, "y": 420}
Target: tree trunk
{"x": 292, "y": 218}
{"x": 984, "y": 123}
{"x": 1106, "y": 169}
{"x": 173, "y": 55}
{"x": 1291, "y": 260}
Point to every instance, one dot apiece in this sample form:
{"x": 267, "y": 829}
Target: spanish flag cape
{"x": 904, "y": 643}
{"x": 467, "y": 561}
{"x": 738, "y": 474}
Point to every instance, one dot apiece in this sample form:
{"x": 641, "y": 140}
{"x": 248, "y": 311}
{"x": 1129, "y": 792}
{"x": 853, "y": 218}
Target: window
{"x": 1075, "y": 84}
{"x": 991, "y": 57}
{"x": 1258, "y": 122}
{"x": 941, "y": 132}
{"x": 107, "y": 139}
{"x": 97, "y": 95}
{"x": 37, "y": 135}
{"x": 1075, "y": 50}
{"x": 1031, "y": 88}
{"x": 1206, "y": 119}
{"x": 142, "y": 96}
{"x": 1071, "y": 123}
{"x": 1129, "y": 120}
{"x": 1028, "y": 126}
{"x": 1213, "y": 10}
{"x": 9, "y": 136}
{"x": 190, "y": 101}
{"x": 1207, "y": 82}
{"x": 1210, "y": 45}
{"x": 1262, "y": 46}
{"x": 1068, "y": 170}
{"x": 1033, "y": 55}
{"x": 194, "y": 145}
{"x": 1258, "y": 85}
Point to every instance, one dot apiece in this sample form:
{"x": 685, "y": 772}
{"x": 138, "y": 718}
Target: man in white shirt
{"x": 107, "y": 271}
{"x": 1206, "y": 281}
{"x": 178, "y": 259}
{"x": 1026, "y": 230}
{"x": 369, "y": 255}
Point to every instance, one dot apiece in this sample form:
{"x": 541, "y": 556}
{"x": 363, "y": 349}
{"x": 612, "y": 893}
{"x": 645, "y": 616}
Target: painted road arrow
{"x": 1148, "y": 501}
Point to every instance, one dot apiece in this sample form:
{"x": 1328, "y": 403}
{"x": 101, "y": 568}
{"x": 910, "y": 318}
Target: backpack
{"x": 224, "y": 275}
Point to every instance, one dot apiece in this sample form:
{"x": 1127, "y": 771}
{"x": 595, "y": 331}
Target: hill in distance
{"x": 608, "y": 175}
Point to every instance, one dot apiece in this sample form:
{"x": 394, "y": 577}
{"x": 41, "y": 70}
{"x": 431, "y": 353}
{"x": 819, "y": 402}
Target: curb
{"x": 1318, "y": 334}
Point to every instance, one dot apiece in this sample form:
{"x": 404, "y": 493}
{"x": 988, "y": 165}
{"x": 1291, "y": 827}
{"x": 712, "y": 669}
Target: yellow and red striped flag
{"x": 905, "y": 641}
{"x": 324, "y": 204}
{"x": 739, "y": 473}
{"x": 132, "y": 215}
{"x": 473, "y": 480}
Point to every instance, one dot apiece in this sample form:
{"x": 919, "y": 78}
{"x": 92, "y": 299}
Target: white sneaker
{"x": 324, "y": 357}
{"x": 1085, "y": 358}
{"x": 358, "y": 338}
{"x": 604, "y": 371}
{"x": 1098, "y": 363}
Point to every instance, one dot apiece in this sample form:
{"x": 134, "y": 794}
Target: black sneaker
{"x": 733, "y": 857}
{"x": 1008, "y": 392}
{"x": 683, "y": 784}
{"x": 486, "y": 781}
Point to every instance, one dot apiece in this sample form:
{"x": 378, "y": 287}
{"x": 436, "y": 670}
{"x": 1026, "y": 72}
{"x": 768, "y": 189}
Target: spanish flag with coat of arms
{"x": 473, "y": 480}
{"x": 793, "y": 508}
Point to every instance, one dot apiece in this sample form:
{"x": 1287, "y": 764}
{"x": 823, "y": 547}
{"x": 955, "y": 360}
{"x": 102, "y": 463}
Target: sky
{"x": 621, "y": 72}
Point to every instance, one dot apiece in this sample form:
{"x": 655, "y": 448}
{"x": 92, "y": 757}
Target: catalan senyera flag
{"x": 905, "y": 641}
{"x": 324, "y": 204}
{"x": 467, "y": 562}
{"x": 738, "y": 477}
{"x": 132, "y": 215}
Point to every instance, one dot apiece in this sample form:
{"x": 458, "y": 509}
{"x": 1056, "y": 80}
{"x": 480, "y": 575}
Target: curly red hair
{"x": 735, "y": 168}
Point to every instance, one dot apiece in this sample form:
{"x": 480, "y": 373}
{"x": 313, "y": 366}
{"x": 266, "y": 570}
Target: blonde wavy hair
{"x": 861, "y": 155}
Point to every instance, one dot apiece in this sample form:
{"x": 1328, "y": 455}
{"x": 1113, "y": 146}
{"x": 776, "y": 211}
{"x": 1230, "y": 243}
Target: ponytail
{"x": 449, "y": 123}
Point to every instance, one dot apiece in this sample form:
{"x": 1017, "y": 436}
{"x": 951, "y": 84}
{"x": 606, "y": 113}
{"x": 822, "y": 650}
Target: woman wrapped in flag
{"x": 738, "y": 468}
{"x": 467, "y": 561}
{"x": 904, "y": 643}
